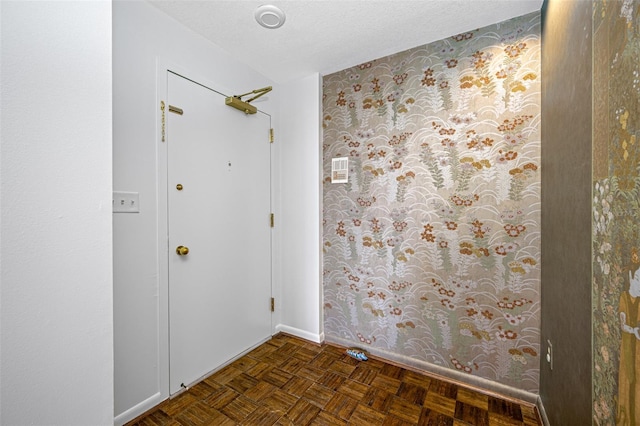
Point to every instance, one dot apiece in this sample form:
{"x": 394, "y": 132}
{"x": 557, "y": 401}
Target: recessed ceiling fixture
{"x": 270, "y": 16}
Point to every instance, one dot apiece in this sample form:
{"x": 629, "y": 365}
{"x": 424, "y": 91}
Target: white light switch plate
{"x": 126, "y": 202}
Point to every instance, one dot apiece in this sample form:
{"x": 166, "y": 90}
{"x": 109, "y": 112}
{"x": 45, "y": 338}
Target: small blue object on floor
{"x": 357, "y": 354}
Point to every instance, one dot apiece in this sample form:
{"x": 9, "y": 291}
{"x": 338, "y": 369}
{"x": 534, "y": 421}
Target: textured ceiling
{"x": 328, "y": 35}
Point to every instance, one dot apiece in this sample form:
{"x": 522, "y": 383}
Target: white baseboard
{"x": 485, "y": 385}
{"x": 138, "y": 409}
{"x": 303, "y": 334}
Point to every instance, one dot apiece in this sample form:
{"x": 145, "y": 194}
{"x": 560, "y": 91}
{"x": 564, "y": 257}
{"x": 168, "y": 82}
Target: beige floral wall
{"x": 432, "y": 248}
{"x": 616, "y": 212}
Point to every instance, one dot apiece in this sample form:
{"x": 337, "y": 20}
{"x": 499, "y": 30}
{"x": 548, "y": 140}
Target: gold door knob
{"x": 182, "y": 250}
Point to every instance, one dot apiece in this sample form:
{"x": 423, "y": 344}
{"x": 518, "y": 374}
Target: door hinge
{"x": 273, "y": 304}
{"x": 176, "y": 110}
{"x": 273, "y": 220}
{"x": 271, "y": 135}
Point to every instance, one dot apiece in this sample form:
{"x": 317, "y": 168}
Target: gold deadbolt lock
{"x": 182, "y": 250}
{"x": 179, "y": 187}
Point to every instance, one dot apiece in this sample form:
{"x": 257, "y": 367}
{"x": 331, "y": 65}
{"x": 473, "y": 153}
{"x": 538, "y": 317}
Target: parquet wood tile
{"x": 225, "y": 375}
{"x": 202, "y": 390}
{"x": 318, "y": 395}
{"x": 366, "y": 416}
{"x": 239, "y": 409}
{"x": 405, "y": 410}
{"x": 242, "y": 383}
{"x": 323, "y": 361}
{"x": 263, "y": 350}
{"x": 260, "y": 391}
{"x": 262, "y": 416}
{"x": 306, "y": 354}
{"x": 414, "y": 394}
{"x": 292, "y": 365}
{"x": 364, "y": 375}
{"x": 441, "y": 404}
{"x": 448, "y": 390}
{"x": 277, "y": 377}
{"x": 197, "y": 414}
{"x": 311, "y": 373}
{"x": 342, "y": 368}
{"x": 302, "y": 413}
{"x": 433, "y": 418}
{"x": 378, "y": 399}
{"x": 259, "y": 369}
{"x": 392, "y": 371}
{"x": 289, "y": 381}
{"x": 530, "y": 416}
{"x": 279, "y": 401}
{"x": 245, "y": 363}
{"x": 416, "y": 379}
{"x": 175, "y": 406}
{"x": 353, "y": 389}
{"x": 220, "y": 398}
{"x": 505, "y": 408}
{"x": 157, "y": 418}
{"x": 375, "y": 364}
{"x": 297, "y": 386}
{"x": 395, "y": 421}
{"x": 386, "y": 383}
{"x": 325, "y": 419}
{"x": 472, "y": 398}
{"x": 331, "y": 380}
{"x": 471, "y": 414}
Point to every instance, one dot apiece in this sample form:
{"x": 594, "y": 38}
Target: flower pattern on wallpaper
{"x": 432, "y": 248}
{"x": 616, "y": 213}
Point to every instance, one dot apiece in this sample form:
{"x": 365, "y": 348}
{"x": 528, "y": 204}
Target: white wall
{"x": 299, "y": 223}
{"x": 55, "y": 245}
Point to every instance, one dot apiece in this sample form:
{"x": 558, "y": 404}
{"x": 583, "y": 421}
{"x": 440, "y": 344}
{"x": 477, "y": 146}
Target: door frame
{"x": 163, "y": 67}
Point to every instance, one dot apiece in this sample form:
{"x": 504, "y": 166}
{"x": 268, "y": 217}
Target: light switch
{"x": 126, "y": 202}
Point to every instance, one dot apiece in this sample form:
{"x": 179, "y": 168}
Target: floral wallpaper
{"x": 616, "y": 213}
{"x": 432, "y": 248}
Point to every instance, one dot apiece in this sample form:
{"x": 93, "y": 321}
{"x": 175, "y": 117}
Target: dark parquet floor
{"x": 289, "y": 381}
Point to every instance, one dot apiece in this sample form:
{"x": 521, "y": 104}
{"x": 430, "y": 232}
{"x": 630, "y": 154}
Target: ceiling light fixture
{"x": 269, "y": 16}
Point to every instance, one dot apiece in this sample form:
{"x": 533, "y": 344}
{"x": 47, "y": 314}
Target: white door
{"x": 219, "y": 168}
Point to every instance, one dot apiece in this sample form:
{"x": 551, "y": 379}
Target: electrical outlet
{"x": 550, "y": 354}
{"x": 126, "y": 202}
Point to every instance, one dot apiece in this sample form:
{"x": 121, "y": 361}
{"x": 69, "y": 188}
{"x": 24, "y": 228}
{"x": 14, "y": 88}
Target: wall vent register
{"x": 340, "y": 170}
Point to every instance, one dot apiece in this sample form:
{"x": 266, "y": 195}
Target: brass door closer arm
{"x": 245, "y": 106}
